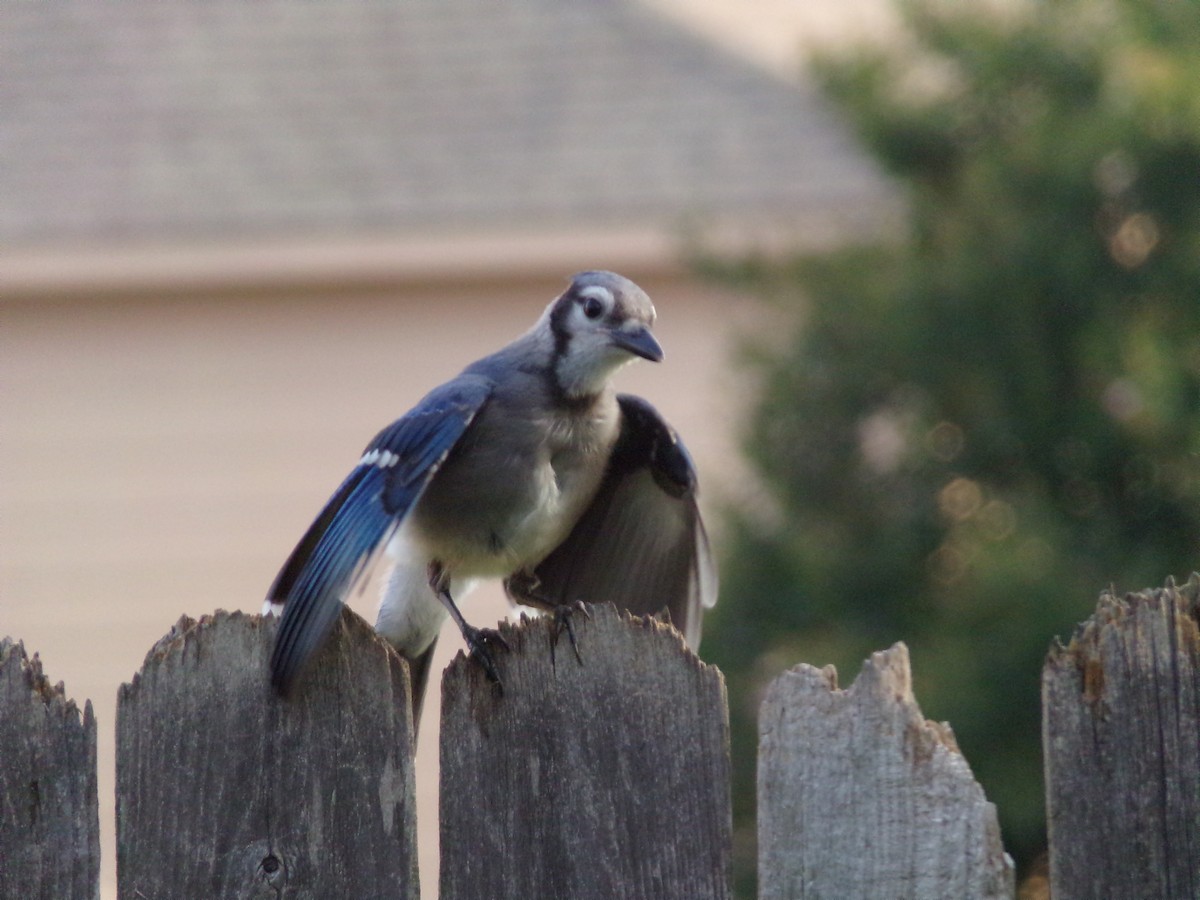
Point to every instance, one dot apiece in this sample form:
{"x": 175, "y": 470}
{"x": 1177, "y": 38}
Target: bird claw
{"x": 480, "y": 641}
{"x": 563, "y": 622}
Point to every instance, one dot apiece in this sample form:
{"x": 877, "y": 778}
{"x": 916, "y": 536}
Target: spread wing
{"x": 641, "y": 543}
{"x": 372, "y": 501}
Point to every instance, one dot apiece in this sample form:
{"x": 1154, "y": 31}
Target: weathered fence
{"x": 608, "y": 778}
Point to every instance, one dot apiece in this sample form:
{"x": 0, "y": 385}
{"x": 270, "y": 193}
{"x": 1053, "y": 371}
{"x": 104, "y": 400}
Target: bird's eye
{"x": 593, "y": 308}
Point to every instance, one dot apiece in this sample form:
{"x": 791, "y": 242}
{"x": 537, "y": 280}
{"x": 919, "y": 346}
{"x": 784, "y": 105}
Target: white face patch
{"x": 589, "y": 324}
{"x": 598, "y": 292}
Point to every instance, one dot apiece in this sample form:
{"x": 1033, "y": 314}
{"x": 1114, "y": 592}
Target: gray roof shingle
{"x": 139, "y": 120}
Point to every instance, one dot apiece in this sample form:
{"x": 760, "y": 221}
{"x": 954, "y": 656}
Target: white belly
{"x": 410, "y": 614}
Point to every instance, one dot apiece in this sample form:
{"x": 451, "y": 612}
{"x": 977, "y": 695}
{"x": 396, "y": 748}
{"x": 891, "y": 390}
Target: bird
{"x": 527, "y": 467}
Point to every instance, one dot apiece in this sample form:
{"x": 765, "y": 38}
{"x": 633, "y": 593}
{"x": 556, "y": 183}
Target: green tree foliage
{"x": 975, "y": 429}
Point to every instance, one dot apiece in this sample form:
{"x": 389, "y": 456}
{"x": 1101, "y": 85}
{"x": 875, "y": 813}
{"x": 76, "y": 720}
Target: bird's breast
{"x": 513, "y": 491}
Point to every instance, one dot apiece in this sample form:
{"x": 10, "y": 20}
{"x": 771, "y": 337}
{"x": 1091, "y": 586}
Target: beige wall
{"x": 160, "y": 456}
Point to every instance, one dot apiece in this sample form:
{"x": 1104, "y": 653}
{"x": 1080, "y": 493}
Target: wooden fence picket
{"x": 860, "y": 797}
{"x": 1121, "y": 732}
{"x": 602, "y": 779}
{"x": 49, "y": 816}
{"x": 226, "y": 790}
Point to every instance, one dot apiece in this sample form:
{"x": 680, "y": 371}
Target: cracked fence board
{"x": 49, "y": 818}
{"x": 606, "y": 779}
{"x": 226, "y": 790}
{"x": 859, "y": 796}
{"x": 1121, "y": 731}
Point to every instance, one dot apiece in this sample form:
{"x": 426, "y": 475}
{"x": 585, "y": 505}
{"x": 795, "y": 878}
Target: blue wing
{"x": 394, "y": 470}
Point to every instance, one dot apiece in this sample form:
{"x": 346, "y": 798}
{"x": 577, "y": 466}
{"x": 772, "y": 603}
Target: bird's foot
{"x": 563, "y": 621}
{"x": 481, "y": 641}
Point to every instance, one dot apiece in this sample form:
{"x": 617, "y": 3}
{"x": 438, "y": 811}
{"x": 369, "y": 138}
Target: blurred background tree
{"x": 973, "y": 430}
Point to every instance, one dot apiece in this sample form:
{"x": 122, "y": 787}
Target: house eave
{"x": 274, "y": 264}
{"x": 279, "y": 264}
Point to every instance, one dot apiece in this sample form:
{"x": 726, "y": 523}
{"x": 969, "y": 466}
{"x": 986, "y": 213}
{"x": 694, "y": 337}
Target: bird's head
{"x": 600, "y": 323}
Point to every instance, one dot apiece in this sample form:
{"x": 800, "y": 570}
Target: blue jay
{"x": 526, "y": 467}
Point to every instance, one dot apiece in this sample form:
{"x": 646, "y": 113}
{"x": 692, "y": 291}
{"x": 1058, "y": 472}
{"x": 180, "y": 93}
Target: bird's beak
{"x": 638, "y": 341}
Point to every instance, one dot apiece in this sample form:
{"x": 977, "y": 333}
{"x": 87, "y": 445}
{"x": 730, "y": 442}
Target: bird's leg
{"x": 523, "y": 588}
{"x": 478, "y": 639}
{"x": 564, "y": 620}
